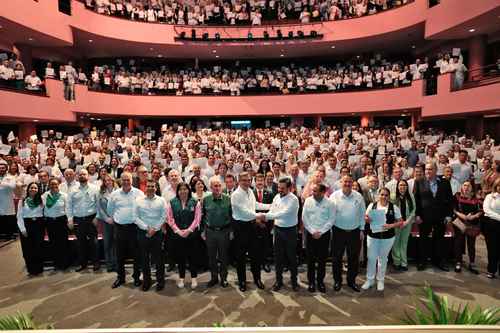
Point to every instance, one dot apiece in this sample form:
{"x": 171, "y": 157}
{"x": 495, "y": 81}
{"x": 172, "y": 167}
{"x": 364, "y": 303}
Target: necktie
{"x": 260, "y": 196}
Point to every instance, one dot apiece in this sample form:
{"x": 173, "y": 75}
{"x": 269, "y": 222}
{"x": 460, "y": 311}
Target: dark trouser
{"x": 285, "y": 251}
{"x": 32, "y": 245}
{"x": 8, "y": 226}
{"x": 459, "y": 241}
{"x": 151, "y": 247}
{"x": 317, "y": 252}
{"x": 218, "y": 246}
{"x": 186, "y": 252}
{"x": 245, "y": 240}
{"x": 86, "y": 233}
{"x": 57, "y": 228}
{"x": 346, "y": 240}
{"x": 492, "y": 236}
{"x": 109, "y": 243}
{"x": 126, "y": 243}
{"x": 426, "y": 244}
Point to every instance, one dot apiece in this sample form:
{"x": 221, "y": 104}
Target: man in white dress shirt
{"x": 284, "y": 211}
{"x": 82, "y": 209}
{"x": 121, "y": 208}
{"x": 7, "y": 209}
{"x": 243, "y": 205}
{"x": 318, "y": 215}
{"x": 69, "y": 181}
{"x": 150, "y": 213}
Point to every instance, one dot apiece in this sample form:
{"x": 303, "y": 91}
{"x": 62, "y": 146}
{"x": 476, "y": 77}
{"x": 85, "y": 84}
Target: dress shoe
{"x": 321, "y": 287}
{"x": 180, "y": 283}
{"x": 473, "y": 269}
{"x": 259, "y": 284}
{"x": 243, "y": 286}
{"x": 212, "y": 283}
{"x": 354, "y": 287}
{"x": 404, "y": 268}
{"x": 117, "y": 283}
{"x": 137, "y": 282}
{"x": 458, "y": 268}
{"x": 267, "y": 268}
{"x": 443, "y": 267}
{"x": 224, "y": 284}
{"x": 337, "y": 286}
{"x": 160, "y": 286}
{"x": 311, "y": 288}
{"x": 421, "y": 267}
{"x": 277, "y": 286}
{"x": 367, "y": 285}
{"x": 81, "y": 268}
{"x": 295, "y": 286}
{"x": 380, "y": 285}
{"x": 146, "y": 285}
{"x": 194, "y": 283}
{"x": 490, "y": 275}
{"x": 97, "y": 267}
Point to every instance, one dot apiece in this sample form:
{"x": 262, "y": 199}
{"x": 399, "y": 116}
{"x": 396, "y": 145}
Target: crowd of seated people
{"x": 392, "y": 167}
{"x": 243, "y": 80}
{"x": 239, "y": 12}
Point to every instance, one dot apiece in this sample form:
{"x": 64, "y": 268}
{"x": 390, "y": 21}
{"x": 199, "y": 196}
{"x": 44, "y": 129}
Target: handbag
{"x": 459, "y": 224}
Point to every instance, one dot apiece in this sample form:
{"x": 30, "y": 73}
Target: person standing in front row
{"x": 243, "y": 205}
{"x": 150, "y": 213}
{"x": 31, "y": 225}
{"x": 491, "y": 209}
{"x": 434, "y": 207}
{"x": 284, "y": 211}
{"x": 55, "y": 210}
{"x": 217, "y": 229}
{"x": 121, "y": 208}
{"x": 82, "y": 208}
{"x": 380, "y": 242}
{"x": 184, "y": 216}
{"x": 347, "y": 232}
{"x": 318, "y": 215}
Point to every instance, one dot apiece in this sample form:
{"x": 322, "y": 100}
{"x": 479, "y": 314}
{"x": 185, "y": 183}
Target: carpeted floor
{"x": 85, "y": 300}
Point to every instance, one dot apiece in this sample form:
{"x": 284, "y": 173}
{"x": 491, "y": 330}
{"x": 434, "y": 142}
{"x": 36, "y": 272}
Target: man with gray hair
{"x": 69, "y": 181}
{"x": 216, "y": 222}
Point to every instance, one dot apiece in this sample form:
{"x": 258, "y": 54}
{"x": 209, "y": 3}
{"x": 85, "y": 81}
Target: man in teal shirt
{"x": 216, "y": 222}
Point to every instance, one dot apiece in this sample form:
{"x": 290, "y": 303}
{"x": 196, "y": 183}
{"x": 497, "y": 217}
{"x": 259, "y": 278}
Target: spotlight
{"x": 290, "y": 34}
{"x": 266, "y": 35}
{"x": 217, "y": 36}
{"x": 193, "y": 34}
{"x": 314, "y": 34}
{"x": 249, "y": 36}
{"x": 300, "y": 33}
{"x": 205, "y": 36}
{"x": 280, "y": 34}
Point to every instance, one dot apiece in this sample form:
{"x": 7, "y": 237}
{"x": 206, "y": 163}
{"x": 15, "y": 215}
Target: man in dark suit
{"x": 434, "y": 208}
{"x": 262, "y": 195}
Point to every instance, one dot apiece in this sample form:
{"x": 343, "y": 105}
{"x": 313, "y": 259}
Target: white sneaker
{"x": 180, "y": 283}
{"x": 380, "y": 285}
{"x": 367, "y": 285}
{"x": 194, "y": 283}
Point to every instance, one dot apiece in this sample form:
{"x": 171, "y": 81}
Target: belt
{"x": 32, "y": 218}
{"x": 218, "y": 228}
{"x": 55, "y": 218}
{"x": 85, "y": 217}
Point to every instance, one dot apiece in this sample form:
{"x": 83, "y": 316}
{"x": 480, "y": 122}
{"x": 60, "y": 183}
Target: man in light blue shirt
{"x": 318, "y": 215}
{"x": 347, "y": 232}
{"x": 121, "y": 208}
{"x": 284, "y": 211}
{"x": 150, "y": 212}
{"x": 81, "y": 210}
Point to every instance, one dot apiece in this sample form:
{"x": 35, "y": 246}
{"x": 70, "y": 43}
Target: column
{"x": 131, "y": 125}
{"x": 26, "y": 130}
{"x": 366, "y": 120}
{"x": 477, "y": 55}
{"x": 415, "y": 119}
{"x": 25, "y": 55}
{"x": 317, "y": 121}
{"x": 474, "y": 126}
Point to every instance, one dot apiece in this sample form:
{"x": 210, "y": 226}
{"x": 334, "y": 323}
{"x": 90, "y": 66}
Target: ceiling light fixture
{"x": 214, "y": 51}
{"x": 217, "y": 56}
{"x": 35, "y": 120}
{"x": 90, "y": 41}
{"x": 282, "y": 55}
{"x": 30, "y": 39}
{"x": 160, "y": 55}
{"x": 413, "y": 46}
{"x": 151, "y": 49}
{"x": 333, "y": 46}
{"x": 472, "y": 30}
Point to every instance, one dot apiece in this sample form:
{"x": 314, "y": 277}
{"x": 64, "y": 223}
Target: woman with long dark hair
{"x": 183, "y": 217}
{"x": 406, "y": 203}
{"x": 491, "y": 208}
{"x": 31, "y": 225}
